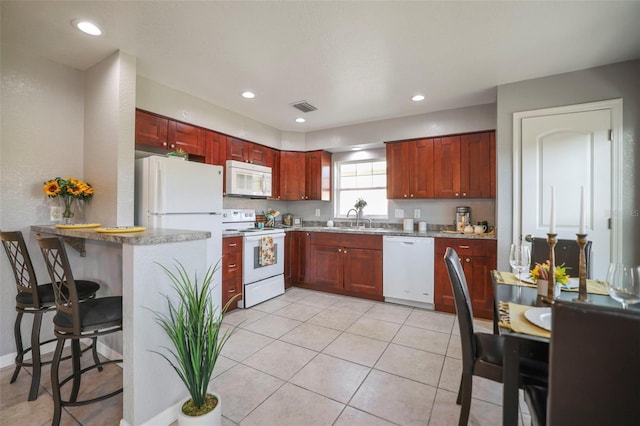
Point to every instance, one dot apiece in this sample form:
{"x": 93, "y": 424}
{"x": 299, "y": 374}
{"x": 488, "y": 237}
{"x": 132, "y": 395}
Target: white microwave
{"x": 248, "y": 180}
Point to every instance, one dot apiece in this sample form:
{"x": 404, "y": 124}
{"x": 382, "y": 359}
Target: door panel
{"x": 568, "y": 151}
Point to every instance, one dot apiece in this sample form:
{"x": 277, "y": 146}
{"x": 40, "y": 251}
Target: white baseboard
{"x": 166, "y": 417}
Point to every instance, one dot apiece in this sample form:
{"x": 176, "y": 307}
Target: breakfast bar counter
{"x": 152, "y": 390}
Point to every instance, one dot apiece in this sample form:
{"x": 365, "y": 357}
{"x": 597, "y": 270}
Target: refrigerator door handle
{"x": 160, "y": 190}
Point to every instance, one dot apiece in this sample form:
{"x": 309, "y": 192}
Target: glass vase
{"x": 67, "y": 214}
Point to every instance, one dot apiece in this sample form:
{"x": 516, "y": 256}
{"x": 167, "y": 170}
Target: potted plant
{"x": 193, "y": 325}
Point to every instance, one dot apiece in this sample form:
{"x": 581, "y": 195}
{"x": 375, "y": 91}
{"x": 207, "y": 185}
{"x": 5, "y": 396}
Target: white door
{"x": 568, "y": 151}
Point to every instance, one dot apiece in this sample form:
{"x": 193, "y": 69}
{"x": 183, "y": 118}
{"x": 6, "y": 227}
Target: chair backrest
{"x": 464, "y": 312}
{"x": 594, "y": 371}
{"x": 26, "y": 281}
{"x": 64, "y": 286}
{"x": 567, "y": 252}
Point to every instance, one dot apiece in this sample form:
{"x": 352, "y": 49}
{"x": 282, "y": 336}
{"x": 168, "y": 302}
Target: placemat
{"x": 77, "y": 225}
{"x": 512, "y": 317}
{"x": 117, "y": 229}
{"x": 593, "y": 286}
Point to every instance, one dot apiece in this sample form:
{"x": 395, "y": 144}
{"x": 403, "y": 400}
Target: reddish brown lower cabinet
{"x": 478, "y": 258}
{"x": 345, "y": 264}
{"x": 295, "y": 254}
{"x": 231, "y": 270}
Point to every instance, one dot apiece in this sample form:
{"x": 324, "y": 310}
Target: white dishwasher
{"x": 407, "y": 270}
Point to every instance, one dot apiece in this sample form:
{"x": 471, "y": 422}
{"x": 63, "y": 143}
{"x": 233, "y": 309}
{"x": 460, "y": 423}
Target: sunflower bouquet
{"x": 68, "y": 189}
{"x": 541, "y": 272}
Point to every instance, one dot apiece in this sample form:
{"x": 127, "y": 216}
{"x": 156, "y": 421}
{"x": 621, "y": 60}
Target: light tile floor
{"x": 311, "y": 358}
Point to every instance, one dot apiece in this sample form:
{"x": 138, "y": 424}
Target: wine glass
{"x": 520, "y": 259}
{"x": 623, "y": 283}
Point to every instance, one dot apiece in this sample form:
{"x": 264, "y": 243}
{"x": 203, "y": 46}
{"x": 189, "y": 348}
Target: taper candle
{"x": 552, "y": 220}
{"x": 581, "y": 229}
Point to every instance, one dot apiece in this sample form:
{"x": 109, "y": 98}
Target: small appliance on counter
{"x": 463, "y": 217}
{"x": 287, "y": 219}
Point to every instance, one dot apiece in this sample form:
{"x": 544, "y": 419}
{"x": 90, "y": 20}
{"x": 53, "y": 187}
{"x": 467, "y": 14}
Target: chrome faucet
{"x": 357, "y": 216}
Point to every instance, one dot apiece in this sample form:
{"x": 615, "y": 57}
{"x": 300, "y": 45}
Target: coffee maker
{"x": 463, "y": 217}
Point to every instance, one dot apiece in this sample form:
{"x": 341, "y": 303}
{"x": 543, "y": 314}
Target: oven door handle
{"x": 258, "y": 237}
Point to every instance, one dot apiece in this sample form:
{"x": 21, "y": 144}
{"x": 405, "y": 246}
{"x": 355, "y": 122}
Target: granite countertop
{"x": 379, "y": 231}
{"x": 149, "y": 236}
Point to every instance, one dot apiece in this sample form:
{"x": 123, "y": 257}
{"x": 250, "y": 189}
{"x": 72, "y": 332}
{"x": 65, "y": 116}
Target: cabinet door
{"x": 325, "y": 263}
{"x": 261, "y": 155}
{"x": 492, "y": 163}
{"x": 186, "y": 137}
{"x": 477, "y": 270}
{"x": 292, "y": 175}
{"x": 318, "y": 175}
{"x": 151, "y": 129}
{"x": 299, "y": 258}
{"x": 362, "y": 271}
{"x": 475, "y": 165}
{"x": 231, "y": 269}
{"x": 237, "y": 149}
{"x": 446, "y": 167}
{"x": 215, "y": 148}
{"x": 421, "y": 184}
{"x": 397, "y": 170}
{"x": 443, "y": 295}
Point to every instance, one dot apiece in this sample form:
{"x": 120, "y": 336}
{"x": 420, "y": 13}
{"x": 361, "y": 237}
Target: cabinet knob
{"x": 345, "y": 252}
{"x": 411, "y": 195}
{"x": 339, "y": 250}
{"x": 173, "y": 145}
{"x": 405, "y": 195}
{"x": 457, "y": 194}
{"x": 164, "y": 144}
{"x": 233, "y": 290}
{"x": 464, "y": 194}
{"x": 467, "y": 260}
{"x": 233, "y": 244}
{"x": 233, "y": 265}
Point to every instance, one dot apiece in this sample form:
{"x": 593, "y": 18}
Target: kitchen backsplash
{"x": 434, "y": 212}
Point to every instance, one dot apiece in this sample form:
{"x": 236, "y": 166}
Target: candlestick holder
{"x": 582, "y": 270}
{"x": 551, "y": 241}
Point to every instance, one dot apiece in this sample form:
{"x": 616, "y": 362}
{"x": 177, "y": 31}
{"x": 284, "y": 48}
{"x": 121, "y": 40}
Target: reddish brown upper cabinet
{"x": 478, "y": 258}
{"x": 249, "y": 152}
{"x": 292, "y": 175}
{"x": 215, "y": 147}
{"x": 186, "y": 137}
{"x": 318, "y": 175}
{"x": 151, "y": 129}
{"x": 464, "y": 166}
{"x": 410, "y": 169}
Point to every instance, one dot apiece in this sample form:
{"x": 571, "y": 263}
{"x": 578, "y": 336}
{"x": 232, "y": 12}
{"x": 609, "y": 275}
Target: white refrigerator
{"x": 177, "y": 194}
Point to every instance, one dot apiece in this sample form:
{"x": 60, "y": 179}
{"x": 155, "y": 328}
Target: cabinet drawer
{"x": 231, "y": 244}
{"x": 467, "y": 247}
{"x": 230, "y": 288}
{"x": 231, "y": 265}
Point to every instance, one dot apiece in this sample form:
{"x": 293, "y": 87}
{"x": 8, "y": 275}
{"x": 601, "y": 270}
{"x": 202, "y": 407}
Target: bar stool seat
{"x": 74, "y": 321}
{"x": 34, "y": 299}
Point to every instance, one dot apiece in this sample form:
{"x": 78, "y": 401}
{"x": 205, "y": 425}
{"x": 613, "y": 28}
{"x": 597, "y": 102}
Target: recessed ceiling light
{"x": 300, "y": 120}
{"x": 248, "y": 95}
{"x": 417, "y": 98}
{"x": 87, "y": 27}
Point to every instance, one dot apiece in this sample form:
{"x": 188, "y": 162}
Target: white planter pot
{"x": 542, "y": 288}
{"x": 212, "y": 418}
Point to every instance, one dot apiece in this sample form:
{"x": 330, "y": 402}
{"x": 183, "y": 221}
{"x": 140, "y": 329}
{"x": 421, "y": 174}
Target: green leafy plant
{"x": 360, "y": 203}
{"x": 193, "y": 325}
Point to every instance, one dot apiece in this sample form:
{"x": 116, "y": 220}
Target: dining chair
{"x": 34, "y": 299}
{"x": 593, "y": 368}
{"x": 74, "y": 321}
{"x": 482, "y": 353}
{"x": 567, "y": 252}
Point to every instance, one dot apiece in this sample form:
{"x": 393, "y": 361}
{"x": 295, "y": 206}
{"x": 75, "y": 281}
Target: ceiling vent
{"x": 304, "y": 106}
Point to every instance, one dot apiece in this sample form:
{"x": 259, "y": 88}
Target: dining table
{"x": 512, "y": 299}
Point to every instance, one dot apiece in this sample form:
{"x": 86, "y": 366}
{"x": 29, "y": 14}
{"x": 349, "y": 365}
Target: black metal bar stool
{"x": 35, "y": 300}
{"x": 74, "y": 321}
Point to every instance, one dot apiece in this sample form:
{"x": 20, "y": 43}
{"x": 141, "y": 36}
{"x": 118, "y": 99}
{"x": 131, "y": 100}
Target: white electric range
{"x": 262, "y": 256}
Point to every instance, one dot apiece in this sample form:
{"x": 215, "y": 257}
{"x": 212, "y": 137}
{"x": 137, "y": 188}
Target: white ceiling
{"x": 354, "y": 61}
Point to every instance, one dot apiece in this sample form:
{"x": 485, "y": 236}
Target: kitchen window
{"x": 362, "y": 178}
